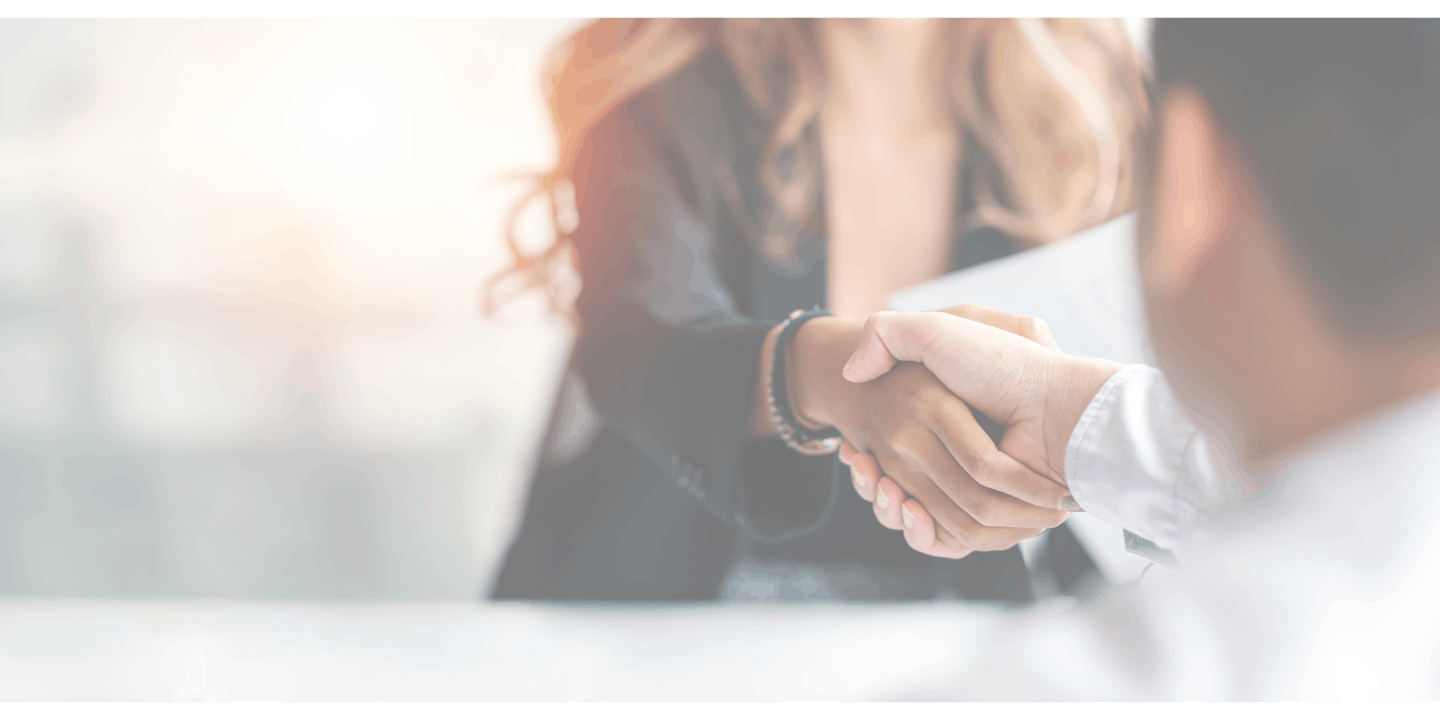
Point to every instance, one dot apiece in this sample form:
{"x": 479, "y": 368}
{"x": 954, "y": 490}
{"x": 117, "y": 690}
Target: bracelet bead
{"x": 796, "y": 436}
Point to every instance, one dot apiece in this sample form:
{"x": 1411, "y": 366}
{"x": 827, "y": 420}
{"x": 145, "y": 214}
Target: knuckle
{"x": 980, "y": 465}
{"x": 979, "y": 540}
{"x": 965, "y": 535}
{"x": 958, "y": 547}
{"x": 1039, "y": 498}
{"x": 993, "y": 542}
{"x": 907, "y": 442}
{"x": 986, "y": 511}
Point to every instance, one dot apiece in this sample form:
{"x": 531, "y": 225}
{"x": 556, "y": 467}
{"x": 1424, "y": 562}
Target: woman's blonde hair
{"x": 1052, "y": 112}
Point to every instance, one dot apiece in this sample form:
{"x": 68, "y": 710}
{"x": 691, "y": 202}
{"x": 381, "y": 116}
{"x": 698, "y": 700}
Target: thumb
{"x": 972, "y": 359}
{"x": 883, "y": 343}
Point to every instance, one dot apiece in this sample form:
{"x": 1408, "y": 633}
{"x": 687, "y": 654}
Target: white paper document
{"x": 1087, "y": 288}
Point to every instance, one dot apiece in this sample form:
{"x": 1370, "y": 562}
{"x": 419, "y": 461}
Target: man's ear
{"x": 1194, "y": 204}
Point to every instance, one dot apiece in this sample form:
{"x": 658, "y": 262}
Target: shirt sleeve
{"x": 1137, "y": 461}
{"x": 666, "y": 355}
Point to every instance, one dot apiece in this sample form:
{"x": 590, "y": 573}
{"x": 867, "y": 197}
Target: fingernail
{"x": 1068, "y": 504}
{"x": 907, "y": 517}
{"x": 860, "y": 480}
{"x": 882, "y": 500}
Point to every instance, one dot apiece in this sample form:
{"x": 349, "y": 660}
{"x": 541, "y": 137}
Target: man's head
{"x": 1291, "y": 248}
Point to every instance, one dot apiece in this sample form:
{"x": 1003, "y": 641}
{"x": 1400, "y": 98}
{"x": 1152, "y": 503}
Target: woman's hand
{"x": 929, "y": 443}
{"x": 909, "y": 514}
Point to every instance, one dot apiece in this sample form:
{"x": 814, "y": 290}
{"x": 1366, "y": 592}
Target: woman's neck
{"x": 889, "y": 153}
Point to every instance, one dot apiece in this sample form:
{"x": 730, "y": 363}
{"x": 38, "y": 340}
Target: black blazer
{"x": 675, "y": 305}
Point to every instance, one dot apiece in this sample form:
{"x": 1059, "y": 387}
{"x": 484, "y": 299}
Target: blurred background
{"x": 241, "y": 353}
{"x": 240, "y": 349}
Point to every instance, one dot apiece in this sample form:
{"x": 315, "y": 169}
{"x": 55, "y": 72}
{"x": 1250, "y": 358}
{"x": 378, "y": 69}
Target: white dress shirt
{"x": 1318, "y": 579}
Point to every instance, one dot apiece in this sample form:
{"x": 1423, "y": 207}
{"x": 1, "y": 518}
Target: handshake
{"x": 906, "y": 404}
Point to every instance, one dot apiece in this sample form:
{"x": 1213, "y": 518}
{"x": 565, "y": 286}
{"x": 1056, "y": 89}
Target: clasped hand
{"x": 944, "y": 483}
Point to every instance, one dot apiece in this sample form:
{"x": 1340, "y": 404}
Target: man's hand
{"x": 909, "y": 422}
{"x": 1003, "y": 365}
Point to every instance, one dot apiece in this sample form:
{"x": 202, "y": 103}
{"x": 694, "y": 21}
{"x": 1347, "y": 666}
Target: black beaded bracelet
{"x": 798, "y": 437}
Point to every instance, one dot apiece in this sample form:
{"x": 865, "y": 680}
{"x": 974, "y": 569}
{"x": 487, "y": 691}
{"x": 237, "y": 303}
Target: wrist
{"x": 813, "y": 365}
{"x": 1077, "y": 381}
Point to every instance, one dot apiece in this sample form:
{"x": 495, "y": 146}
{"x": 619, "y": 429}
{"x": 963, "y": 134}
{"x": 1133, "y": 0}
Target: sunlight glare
{"x": 352, "y": 119}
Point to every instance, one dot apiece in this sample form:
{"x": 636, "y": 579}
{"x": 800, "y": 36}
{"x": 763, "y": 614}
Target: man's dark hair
{"x": 1339, "y": 123}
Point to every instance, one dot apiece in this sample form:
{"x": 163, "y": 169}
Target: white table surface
{"x": 205, "y": 650}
